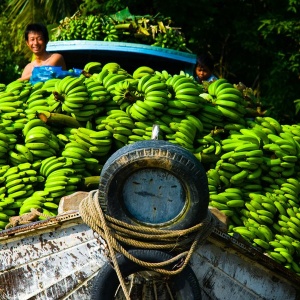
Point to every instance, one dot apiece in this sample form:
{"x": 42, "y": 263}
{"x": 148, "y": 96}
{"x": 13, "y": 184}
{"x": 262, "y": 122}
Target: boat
{"x": 61, "y": 257}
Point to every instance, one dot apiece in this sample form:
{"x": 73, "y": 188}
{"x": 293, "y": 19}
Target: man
{"x": 36, "y": 37}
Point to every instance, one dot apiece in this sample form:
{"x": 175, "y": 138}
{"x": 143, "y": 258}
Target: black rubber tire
{"x": 156, "y": 155}
{"x": 184, "y": 285}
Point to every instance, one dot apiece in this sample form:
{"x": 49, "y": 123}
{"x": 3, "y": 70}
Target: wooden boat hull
{"x": 59, "y": 258}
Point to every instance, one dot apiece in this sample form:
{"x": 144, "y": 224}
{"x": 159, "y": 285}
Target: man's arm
{"x": 26, "y": 72}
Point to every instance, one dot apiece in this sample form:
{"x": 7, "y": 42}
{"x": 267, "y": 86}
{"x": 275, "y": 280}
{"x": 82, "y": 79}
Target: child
{"x": 204, "y": 68}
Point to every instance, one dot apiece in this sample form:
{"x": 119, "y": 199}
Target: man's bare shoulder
{"x": 57, "y": 59}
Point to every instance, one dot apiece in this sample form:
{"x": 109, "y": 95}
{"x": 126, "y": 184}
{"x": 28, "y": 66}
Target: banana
{"x": 230, "y": 113}
{"x": 8, "y": 98}
{"x": 71, "y": 154}
{"x": 218, "y": 205}
{"x": 79, "y": 89}
{"x": 265, "y": 213}
{"x": 244, "y": 232}
{"x": 15, "y": 188}
{"x": 37, "y": 145}
{"x": 225, "y": 181}
{"x": 13, "y": 183}
{"x": 72, "y": 83}
{"x": 141, "y": 82}
{"x": 112, "y": 79}
{"x": 190, "y": 98}
{"x": 222, "y": 84}
{"x": 122, "y": 130}
{"x": 61, "y": 171}
{"x": 188, "y": 91}
{"x": 135, "y": 137}
{"x": 186, "y": 85}
{"x": 157, "y": 93}
{"x": 231, "y": 97}
{"x": 228, "y": 147}
{"x": 186, "y": 130}
{"x": 157, "y": 99}
{"x": 252, "y": 153}
{"x": 247, "y": 147}
{"x": 261, "y": 243}
{"x": 56, "y": 188}
{"x": 39, "y": 129}
{"x": 11, "y": 171}
{"x": 230, "y": 167}
{"x": 3, "y": 218}
{"x": 239, "y": 176}
{"x": 17, "y": 158}
{"x": 256, "y": 232}
{"x": 103, "y": 134}
{"x": 212, "y": 87}
{"x": 219, "y": 198}
{"x": 18, "y": 194}
{"x": 44, "y": 153}
{"x": 50, "y": 205}
{"x": 235, "y": 203}
{"x": 176, "y": 104}
{"x": 99, "y": 150}
{"x": 121, "y": 137}
{"x": 144, "y": 106}
{"x": 55, "y": 165}
{"x": 177, "y": 80}
{"x": 226, "y": 103}
{"x": 154, "y": 85}
{"x": 77, "y": 148}
{"x": 277, "y": 256}
{"x": 270, "y": 207}
{"x": 230, "y": 90}
{"x": 141, "y": 71}
{"x": 136, "y": 115}
{"x": 104, "y": 142}
{"x": 53, "y": 183}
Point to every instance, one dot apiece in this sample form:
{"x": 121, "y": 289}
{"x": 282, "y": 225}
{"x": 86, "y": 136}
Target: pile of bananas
{"x": 171, "y": 38}
{"x": 80, "y": 28}
{"x": 149, "y": 30}
{"x": 256, "y": 184}
{"x": 61, "y": 132}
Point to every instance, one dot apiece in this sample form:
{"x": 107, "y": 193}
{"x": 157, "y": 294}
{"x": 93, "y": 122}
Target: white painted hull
{"x": 58, "y": 259}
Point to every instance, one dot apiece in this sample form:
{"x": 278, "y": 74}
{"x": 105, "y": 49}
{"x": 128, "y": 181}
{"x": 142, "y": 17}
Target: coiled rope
{"x": 116, "y": 233}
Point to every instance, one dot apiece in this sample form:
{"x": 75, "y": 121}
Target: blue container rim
{"x": 135, "y": 48}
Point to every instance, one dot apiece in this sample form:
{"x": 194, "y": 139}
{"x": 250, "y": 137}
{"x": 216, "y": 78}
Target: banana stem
{"x": 57, "y": 96}
{"x": 124, "y": 26}
{"x": 58, "y": 119}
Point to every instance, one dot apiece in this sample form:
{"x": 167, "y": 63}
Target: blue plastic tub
{"x": 129, "y": 55}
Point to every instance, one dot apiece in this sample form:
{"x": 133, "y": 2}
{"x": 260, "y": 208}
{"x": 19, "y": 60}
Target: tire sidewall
{"x": 106, "y": 281}
{"x": 160, "y": 155}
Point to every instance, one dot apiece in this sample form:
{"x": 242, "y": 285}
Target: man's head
{"x": 37, "y": 28}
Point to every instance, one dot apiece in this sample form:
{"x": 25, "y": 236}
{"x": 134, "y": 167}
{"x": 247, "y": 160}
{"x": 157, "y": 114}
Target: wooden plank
{"x": 226, "y": 275}
{"x": 50, "y": 264}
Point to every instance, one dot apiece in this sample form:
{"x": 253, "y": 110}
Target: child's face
{"x": 203, "y": 72}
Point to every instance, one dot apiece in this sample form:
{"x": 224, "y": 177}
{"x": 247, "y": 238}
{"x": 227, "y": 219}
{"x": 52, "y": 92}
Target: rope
{"x": 116, "y": 233}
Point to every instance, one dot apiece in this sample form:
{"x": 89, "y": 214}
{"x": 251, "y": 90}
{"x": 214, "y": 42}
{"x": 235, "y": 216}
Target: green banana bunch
{"x": 141, "y": 71}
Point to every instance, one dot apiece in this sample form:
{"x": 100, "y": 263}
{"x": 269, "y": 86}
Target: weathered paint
{"x": 58, "y": 259}
{"x": 50, "y": 265}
